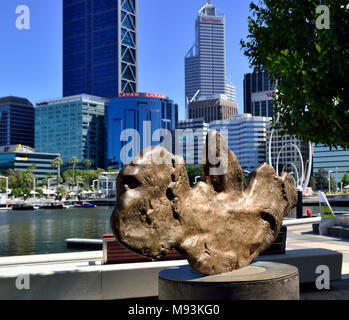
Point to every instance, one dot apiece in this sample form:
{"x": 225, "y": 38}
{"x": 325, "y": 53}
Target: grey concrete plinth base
{"x": 259, "y": 281}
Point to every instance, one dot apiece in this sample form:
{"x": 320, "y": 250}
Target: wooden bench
{"x": 114, "y": 253}
{"x": 279, "y": 245}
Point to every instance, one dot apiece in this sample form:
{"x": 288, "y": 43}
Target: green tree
{"x": 309, "y": 65}
{"x": 26, "y": 178}
{"x": 45, "y": 180}
{"x": 56, "y": 163}
{"x": 87, "y": 164}
{"x": 74, "y": 161}
{"x": 62, "y": 191}
{"x": 345, "y": 179}
{"x": 17, "y": 192}
{"x": 39, "y": 191}
{"x": 312, "y": 183}
{"x": 79, "y": 181}
{"x": 12, "y": 178}
{"x": 321, "y": 179}
{"x": 194, "y": 171}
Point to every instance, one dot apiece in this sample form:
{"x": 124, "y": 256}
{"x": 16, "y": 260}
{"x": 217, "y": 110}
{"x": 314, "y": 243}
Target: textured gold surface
{"x": 218, "y": 226}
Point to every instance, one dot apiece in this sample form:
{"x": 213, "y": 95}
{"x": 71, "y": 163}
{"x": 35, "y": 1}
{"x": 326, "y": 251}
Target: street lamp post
{"x": 93, "y": 184}
{"x": 48, "y": 182}
{"x": 329, "y": 181}
{"x": 197, "y": 177}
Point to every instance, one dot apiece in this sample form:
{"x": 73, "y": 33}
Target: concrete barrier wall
{"x": 88, "y": 280}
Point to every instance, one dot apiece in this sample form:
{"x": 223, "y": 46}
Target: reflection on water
{"x": 45, "y": 231}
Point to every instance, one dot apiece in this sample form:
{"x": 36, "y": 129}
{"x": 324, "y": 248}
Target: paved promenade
{"x": 301, "y": 237}
{"x": 98, "y": 282}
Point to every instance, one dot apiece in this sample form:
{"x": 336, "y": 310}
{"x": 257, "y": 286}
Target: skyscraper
{"x": 16, "y": 121}
{"x": 205, "y": 68}
{"x": 258, "y": 93}
{"x": 99, "y": 47}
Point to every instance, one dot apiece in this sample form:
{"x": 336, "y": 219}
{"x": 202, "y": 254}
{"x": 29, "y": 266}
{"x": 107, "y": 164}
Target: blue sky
{"x": 31, "y": 60}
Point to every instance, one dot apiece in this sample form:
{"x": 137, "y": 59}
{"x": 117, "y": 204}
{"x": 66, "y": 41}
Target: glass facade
{"x": 72, "y": 126}
{"x": 16, "y": 121}
{"x": 205, "y": 62}
{"x": 144, "y": 114}
{"x": 190, "y": 140}
{"x": 99, "y": 47}
{"x": 246, "y": 136}
{"x": 336, "y": 160}
{"x": 258, "y": 94}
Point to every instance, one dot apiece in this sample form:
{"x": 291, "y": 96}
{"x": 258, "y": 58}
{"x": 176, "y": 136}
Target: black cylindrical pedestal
{"x": 300, "y": 205}
{"x": 259, "y": 281}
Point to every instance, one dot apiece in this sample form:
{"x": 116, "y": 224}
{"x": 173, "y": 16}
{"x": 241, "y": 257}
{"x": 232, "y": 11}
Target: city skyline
{"x": 32, "y": 63}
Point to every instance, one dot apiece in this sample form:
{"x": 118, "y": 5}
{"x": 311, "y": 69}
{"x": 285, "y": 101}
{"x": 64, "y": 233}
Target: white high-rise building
{"x": 246, "y": 136}
{"x": 205, "y": 66}
{"x": 230, "y": 90}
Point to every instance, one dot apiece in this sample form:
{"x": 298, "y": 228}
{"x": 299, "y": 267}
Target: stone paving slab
{"x": 302, "y": 237}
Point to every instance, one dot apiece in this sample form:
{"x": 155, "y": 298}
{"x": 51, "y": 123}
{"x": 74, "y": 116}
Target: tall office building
{"x": 258, "y": 94}
{"x": 134, "y": 122}
{"x": 246, "y": 136}
{"x": 16, "y": 121}
{"x": 72, "y": 126}
{"x": 205, "y": 66}
{"x": 99, "y": 47}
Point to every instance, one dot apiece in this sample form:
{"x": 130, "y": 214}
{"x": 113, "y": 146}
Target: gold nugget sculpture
{"x": 218, "y": 226}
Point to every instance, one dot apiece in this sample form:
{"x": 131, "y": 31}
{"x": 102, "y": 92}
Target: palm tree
{"x": 79, "y": 180}
{"x": 45, "y": 181}
{"x": 70, "y": 181}
{"x": 74, "y": 161}
{"x": 87, "y": 164}
{"x": 56, "y": 163}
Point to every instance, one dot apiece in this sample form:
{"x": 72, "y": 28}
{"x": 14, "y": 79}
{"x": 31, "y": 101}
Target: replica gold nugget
{"x": 217, "y": 225}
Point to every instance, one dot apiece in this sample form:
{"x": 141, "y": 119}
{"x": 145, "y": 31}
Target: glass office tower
{"x": 258, "y": 94}
{"x": 143, "y": 114}
{"x": 99, "y": 47}
{"x": 205, "y": 66}
{"x": 72, "y": 126}
{"x": 16, "y": 121}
